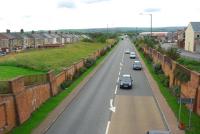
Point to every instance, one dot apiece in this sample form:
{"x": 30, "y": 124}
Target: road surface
{"x": 102, "y": 108}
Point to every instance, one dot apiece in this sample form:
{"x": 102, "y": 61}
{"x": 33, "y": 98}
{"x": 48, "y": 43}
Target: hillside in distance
{"x": 124, "y": 29}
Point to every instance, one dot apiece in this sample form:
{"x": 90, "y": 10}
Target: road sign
{"x": 186, "y": 100}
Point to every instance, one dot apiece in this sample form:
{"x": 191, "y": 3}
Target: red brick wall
{"x": 60, "y": 78}
{"x": 7, "y": 113}
{"x": 198, "y": 101}
{"x": 17, "y": 85}
{"x": 29, "y": 100}
{"x": 188, "y": 89}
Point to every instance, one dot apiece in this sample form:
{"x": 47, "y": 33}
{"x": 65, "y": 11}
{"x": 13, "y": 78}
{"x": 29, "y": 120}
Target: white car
{"x": 132, "y": 55}
{"x": 127, "y": 51}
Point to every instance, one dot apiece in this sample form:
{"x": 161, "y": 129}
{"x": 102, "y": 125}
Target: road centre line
{"x": 116, "y": 89}
{"x": 117, "y": 79}
{"x": 119, "y": 73}
{"x": 120, "y": 68}
{"x": 107, "y": 128}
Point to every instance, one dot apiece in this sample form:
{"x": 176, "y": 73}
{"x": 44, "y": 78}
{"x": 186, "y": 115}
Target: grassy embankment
{"x": 172, "y": 100}
{"x": 41, "y": 61}
{"x": 41, "y": 113}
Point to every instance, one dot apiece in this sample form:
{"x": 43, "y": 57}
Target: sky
{"x": 80, "y": 14}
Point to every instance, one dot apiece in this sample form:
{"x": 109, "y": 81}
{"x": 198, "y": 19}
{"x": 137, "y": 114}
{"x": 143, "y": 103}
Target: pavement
{"x": 100, "y": 107}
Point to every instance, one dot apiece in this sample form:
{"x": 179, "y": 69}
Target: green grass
{"x": 8, "y": 72}
{"x": 47, "y": 59}
{"x": 172, "y": 101}
{"x": 190, "y": 64}
{"x": 39, "y": 115}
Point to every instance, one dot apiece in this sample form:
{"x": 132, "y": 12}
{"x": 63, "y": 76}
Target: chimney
{"x": 22, "y": 31}
{"x": 33, "y": 32}
{"x": 7, "y": 30}
{"x": 49, "y": 31}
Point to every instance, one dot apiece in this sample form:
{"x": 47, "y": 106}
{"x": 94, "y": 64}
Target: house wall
{"x": 197, "y": 42}
{"x": 189, "y": 39}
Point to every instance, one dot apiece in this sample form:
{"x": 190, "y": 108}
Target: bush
{"x": 164, "y": 80}
{"x": 66, "y": 84}
{"x": 89, "y": 62}
{"x": 157, "y": 68}
{"x": 87, "y": 40}
{"x": 172, "y": 53}
{"x": 82, "y": 70}
{"x": 176, "y": 90}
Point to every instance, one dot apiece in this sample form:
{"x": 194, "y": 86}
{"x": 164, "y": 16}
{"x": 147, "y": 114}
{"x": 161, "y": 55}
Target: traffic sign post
{"x": 189, "y": 101}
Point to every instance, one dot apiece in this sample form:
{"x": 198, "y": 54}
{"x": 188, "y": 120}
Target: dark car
{"x": 126, "y": 81}
{"x": 2, "y": 53}
{"x": 158, "y": 132}
{"x": 137, "y": 65}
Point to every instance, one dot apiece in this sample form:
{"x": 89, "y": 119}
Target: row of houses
{"x": 189, "y": 38}
{"x": 21, "y": 40}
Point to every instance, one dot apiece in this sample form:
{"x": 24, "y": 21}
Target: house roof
{"x": 3, "y": 37}
{"x": 195, "y": 26}
{"x": 9, "y": 35}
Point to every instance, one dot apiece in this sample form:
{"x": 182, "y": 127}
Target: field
{"x": 38, "y": 61}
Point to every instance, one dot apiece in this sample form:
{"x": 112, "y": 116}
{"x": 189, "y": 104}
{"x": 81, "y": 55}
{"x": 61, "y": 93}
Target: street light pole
{"x": 150, "y": 21}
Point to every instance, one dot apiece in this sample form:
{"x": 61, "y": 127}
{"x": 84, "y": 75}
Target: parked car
{"x": 157, "y": 132}
{"x": 127, "y": 51}
{"x": 2, "y": 53}
{"x": 126, "y": 81}
{"x": 132, "y": 55}
{"x": 137, "y": 65}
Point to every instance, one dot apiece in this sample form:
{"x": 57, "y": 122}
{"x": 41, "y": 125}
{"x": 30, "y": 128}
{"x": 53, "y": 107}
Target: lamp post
{"x": 150, "y": 20}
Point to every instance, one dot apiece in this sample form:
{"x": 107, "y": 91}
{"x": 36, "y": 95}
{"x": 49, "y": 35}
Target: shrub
{"x": 87, "y": 40}
{"x": 89, "y": 62}
{"x": 157, "y": 68}
{"x": 82, "y": 70}
{"x": 176, "y": 90}
{"x": 66, "y": 84}
{"x": 164, "y": 80}
{"x": 172, "y": 53}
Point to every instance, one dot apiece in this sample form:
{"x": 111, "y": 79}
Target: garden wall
{"x": 21, "y": 96}
{"x": 176, "y": 72}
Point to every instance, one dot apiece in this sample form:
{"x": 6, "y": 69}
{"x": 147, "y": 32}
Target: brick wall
{"x": 7, "y": 113}
{"x": 16, "y": 108}
{"x": 189, "y": 89}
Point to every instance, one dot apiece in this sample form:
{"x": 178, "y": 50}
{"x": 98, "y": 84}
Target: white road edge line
{"x": 116, "y": 89}
{"x": 107, "y": 128}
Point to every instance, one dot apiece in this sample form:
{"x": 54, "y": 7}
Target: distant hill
{"x": 123, "y": 29}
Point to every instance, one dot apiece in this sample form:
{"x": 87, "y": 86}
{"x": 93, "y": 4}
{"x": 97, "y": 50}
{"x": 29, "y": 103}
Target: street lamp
{"x": 150, "y": 20}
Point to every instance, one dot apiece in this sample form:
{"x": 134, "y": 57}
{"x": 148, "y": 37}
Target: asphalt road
{"x": 89, "y": 112}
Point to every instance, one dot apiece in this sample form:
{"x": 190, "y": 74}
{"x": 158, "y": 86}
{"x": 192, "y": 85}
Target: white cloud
{"x": 47, "y": 14}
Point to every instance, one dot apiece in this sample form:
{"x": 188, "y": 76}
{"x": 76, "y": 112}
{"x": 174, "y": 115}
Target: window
{"x": 198, "y": 36}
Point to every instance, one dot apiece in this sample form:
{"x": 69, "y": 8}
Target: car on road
{"x": 127, "y": 51}
{"x": 126, "y": 81}
{"x": 132, "y": 55}
{"x": 157, "y": 132}
{"x": 137, "y": 65}
{"x": 2, "y": 53}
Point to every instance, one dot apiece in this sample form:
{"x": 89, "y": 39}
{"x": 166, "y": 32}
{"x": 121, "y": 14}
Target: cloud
{"x": 1, "y": 18}
{"x": 26, "y": 16}
{"x": 152, "y": 10}
{"x": 93, "y": 1}
{"x": 66, "y": 4}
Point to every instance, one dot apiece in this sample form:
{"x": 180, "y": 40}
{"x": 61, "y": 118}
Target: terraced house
{"x": 192, "y": 37}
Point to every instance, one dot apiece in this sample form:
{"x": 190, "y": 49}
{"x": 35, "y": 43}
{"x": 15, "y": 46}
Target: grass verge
{"x": 172, "y": 101}
{"x": 8, "y": 72}
{"x": 38, "y": 116}
{"x": 190, "y": 64}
